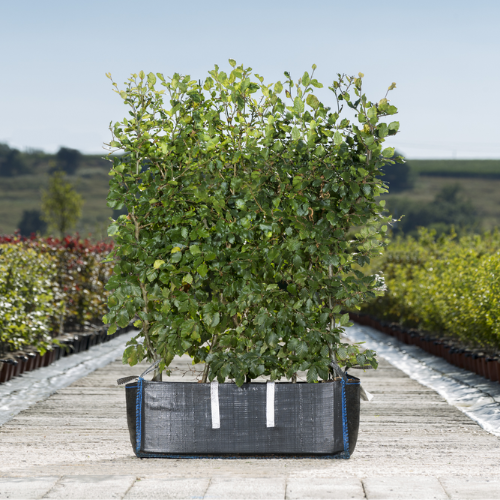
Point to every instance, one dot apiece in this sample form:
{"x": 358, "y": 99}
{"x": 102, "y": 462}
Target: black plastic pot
{"x": 4, "y": 371}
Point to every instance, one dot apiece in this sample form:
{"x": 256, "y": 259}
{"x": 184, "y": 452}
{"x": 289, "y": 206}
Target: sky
{"x": 443, "y": 55}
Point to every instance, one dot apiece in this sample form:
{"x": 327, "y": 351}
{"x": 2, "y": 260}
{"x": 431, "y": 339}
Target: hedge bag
{"x": 273, "y": 419}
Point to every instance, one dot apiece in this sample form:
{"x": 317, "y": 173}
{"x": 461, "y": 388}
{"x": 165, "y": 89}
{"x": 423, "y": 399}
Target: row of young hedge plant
{"x": 48, "y": 286}
{"x": 447, "y": 285}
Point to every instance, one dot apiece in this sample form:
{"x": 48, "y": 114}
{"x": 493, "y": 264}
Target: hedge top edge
{"x": 251, "y": 212}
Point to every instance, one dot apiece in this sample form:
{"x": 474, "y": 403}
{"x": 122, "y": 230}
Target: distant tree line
{"x": 398, "y": 176}
{"x": 449, "y": 209}
{"x": 13, "y": 162}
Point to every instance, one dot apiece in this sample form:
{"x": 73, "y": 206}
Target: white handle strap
{"x": 214, "y": 402}
{"x": 270, "y": 404}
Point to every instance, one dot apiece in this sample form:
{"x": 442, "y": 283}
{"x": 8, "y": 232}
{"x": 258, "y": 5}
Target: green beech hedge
{"x": 248, "y": 204}
{"x": 446, "y": 285}
{"x": 48, "y": 286}
{"x": 27, "y": 298}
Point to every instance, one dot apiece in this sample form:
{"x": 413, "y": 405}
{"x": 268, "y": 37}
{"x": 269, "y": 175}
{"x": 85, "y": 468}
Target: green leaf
{"x": 301, "y": 349}
{"x": 202, "y": 270}
{"x": 342, "y": 352}
{"x": 305, "y": 79}
{"x": 194, "y": 249}
{"x": 158, "y": 263}
{"x": 151, "y": 78}
{"x": 295, "y": 134}
{"x": 312, "y": 375}
{"x": 113, "y": 229}
{"x": 215, "y": 320}
{"x": 383, "y": 131}
{"x": 177, "y": 257}
{"x": 151, "y": 274}
{"x": 278, "y": 87}
{"x": 388, "y": 152}
{"x": 259, "y": 370}
{"x": 187, "y": 279}
{"x": 394, "y": 126}
{"x": 122, "y": 318}
{"x": 232, "y": 62}
{"x": 337, "y": 138}
{"x": 313, "y": 101}
{"x": 344, "y": 319}
{"x": 372, "y": 114}
{"x": 272, "y": 339}
{"x": 298, "y": 105}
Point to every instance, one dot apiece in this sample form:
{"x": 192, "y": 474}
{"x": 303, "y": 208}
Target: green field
{"x": 23, "y": 192}
{"x": 479, "y": 179}
{"x": 483, "y": 194}
{"x": 457, "y": 168}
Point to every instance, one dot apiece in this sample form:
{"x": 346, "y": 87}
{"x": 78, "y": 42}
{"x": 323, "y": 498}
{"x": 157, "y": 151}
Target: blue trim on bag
{"x": 344, "y": 421}
{"x": 138, "y": 416}
{"x": 131, "y": 387}
{"x": 338, "y": 456}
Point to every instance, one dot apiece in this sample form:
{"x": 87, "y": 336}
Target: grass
{"x": 457, "y": 168}
{"x": 483, "y": 193}
{"x": 24, "y": 193}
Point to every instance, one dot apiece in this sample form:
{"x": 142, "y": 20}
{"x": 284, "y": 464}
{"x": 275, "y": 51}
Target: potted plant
{"x": 251, "y": 211}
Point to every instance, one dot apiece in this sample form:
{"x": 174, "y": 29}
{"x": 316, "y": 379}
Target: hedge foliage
{"x": 27, "y": 299}
{"x": 446, "y": 285}
{"x": 248, "y": 204}
{"x": 47, "y": 286}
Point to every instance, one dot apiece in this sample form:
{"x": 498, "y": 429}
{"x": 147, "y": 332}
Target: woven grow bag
{"x": 177, "y": 419}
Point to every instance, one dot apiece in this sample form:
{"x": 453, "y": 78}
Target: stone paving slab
{"x": 75, "y": 444}
{"x": 169, "y": 489}
{"x": 226, "y": 488}
{"x": 98, "y": 487}
{"x": 404, "y": 488}
{"x": 471, "y": 488}
{"x": 248, "y": 488}
{"x": 338, "y": 488}
{"x": 26, "y": 487}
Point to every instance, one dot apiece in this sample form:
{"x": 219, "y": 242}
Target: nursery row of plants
{"x": 472, "y": 359}
{"x": 29, "y": 359}
{"x": 446, "y": 285}
{"x": 49, "y": 286}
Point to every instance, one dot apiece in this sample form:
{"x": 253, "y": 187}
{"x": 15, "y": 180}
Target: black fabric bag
{"x": 194, "y": 420}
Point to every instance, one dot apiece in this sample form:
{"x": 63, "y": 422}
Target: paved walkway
{"x": 412, "y": 444}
